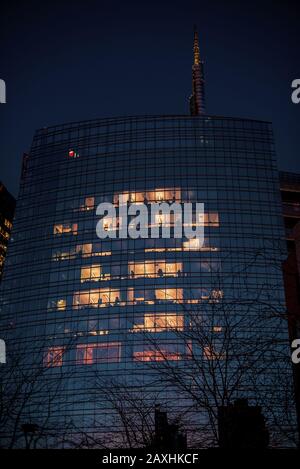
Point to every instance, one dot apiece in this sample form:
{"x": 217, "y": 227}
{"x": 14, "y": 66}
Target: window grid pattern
{"x": 63, "y": 285}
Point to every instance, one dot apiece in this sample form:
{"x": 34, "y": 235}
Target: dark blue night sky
{"x": 74, "y": 60}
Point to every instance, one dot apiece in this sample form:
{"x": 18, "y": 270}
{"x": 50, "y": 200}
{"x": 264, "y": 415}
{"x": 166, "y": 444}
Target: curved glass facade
{"x": 116, "y": 308}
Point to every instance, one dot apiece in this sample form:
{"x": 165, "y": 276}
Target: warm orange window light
{"x": 85, "y": 249}
{"x": 95, "y": 298}
{"x": 65, "y": 228}
{"x": 155, "y": 356}
{"x": 90, "y": 273}
{"x": 169, "y": 294}
{"x": 110, "y": 224}
{"x": 89, "y": 203}
{"x": 154, "y": 269}
{"x": 155, "y": 195}
{"x": 158, "y": 322}
{"x": 130, "y": 295}
{"x": 195, "y": 245}
{"x": 163, "y": 195}
{"x": 61, "y": 304}
{"x": 139, "y": 269}
{"x": 192, "y": 245}
{"x": 155, "y": 249}
{"x": 172, "y": 268}
{"x": 211, "y": 219}
{"x": 102, "y": 253}
{"x": 88, "y": 354}
{"x": 54, "y": 356}
{"x": 130, "y": 197}
{"x": 62, "y": 256}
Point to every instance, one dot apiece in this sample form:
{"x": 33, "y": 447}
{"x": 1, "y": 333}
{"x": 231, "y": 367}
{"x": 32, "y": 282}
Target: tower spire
{"x": 196, "y": 47}
{"x": 197, "y": 100}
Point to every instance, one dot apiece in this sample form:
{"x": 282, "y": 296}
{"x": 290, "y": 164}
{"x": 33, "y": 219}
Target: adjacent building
{"x": 7, "y": 209}
{"x": 290, "y": 196}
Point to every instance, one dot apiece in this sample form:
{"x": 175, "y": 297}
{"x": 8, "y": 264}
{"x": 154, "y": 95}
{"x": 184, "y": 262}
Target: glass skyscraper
{"x": 94, "y": 312}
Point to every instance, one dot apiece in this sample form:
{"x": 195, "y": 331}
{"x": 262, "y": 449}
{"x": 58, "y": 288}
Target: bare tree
{"x": 29, "y": 395}
{"x": 231, "y": 346}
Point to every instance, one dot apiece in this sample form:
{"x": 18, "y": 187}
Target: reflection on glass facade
{"x": 116, "y": 308}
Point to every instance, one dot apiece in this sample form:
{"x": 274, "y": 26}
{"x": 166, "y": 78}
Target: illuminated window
{"x": 173, "y": 268}
{"x": 161, "y": 354}
{"x": 65, "y": 228}
{"x": 89, "y": 204}
{"x": 102, "y": 253}
{"x": 195, "y": 245}
{"x": 90, "y": 273}
{"x": 59, "y": 304}
{"x": 63, "y": 255}
{"x": 156, "y": 195}
{"x": 7, "y": 223}
{"x": 130, "y": 295}
{"x": 164, "y": 195}
{"x": 158, "y": 322}
{"x": 192, "y": 245}
{"x": 85, "y": 250}
{"x": 130, "y": 197}
{"x": 139, "y": 269}
{"x": 96, "y": 298}
{"x": 211, "y": 219}
{"x": 110, "y": 223}
{"x": 169, "y": 294}
{"x": 122, "y": 196}
{"x": 88, "y": 354}
{"x": 216, "y": 295}
{"x": 155, "y": 269}
{"x": 54, "y": 357}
